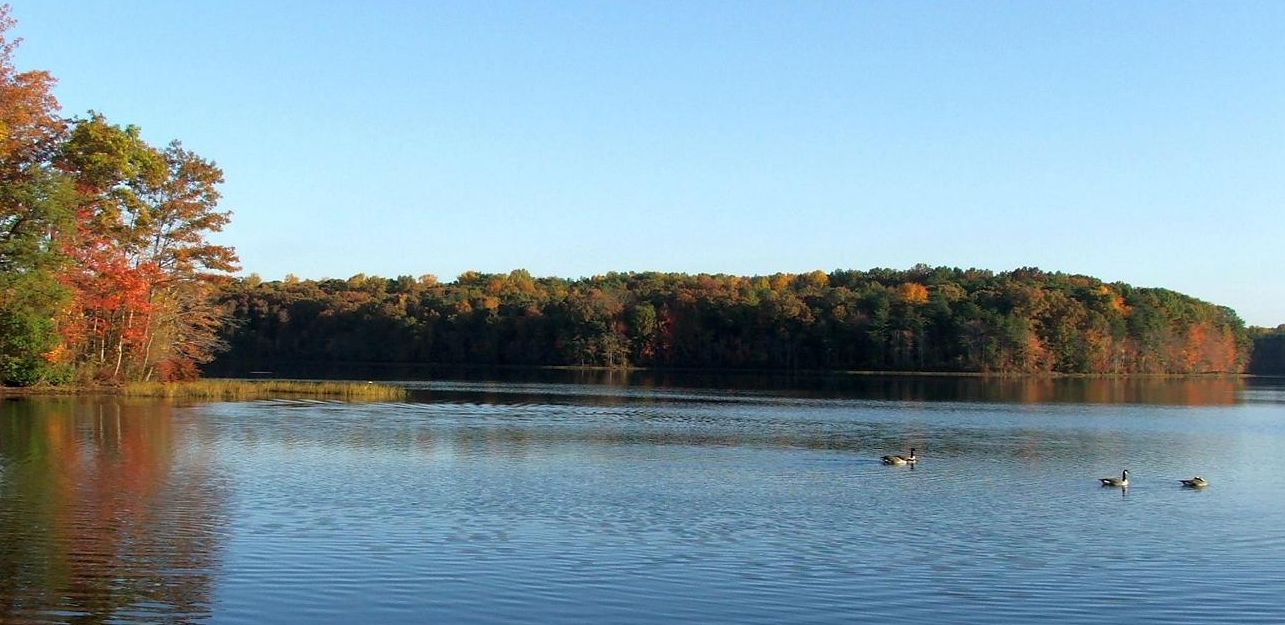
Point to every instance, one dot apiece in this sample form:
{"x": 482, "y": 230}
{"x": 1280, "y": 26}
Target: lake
{"x": 599, "y": 498}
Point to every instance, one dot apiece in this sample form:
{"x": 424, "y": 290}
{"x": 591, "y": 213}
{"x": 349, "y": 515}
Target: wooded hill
{"x": 921, "y": 319}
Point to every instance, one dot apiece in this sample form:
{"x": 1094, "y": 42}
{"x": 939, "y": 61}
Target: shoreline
{"x": 221, "y": 389}
{"x": 125, "y": 390}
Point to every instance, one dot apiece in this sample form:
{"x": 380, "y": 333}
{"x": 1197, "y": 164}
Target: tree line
{"x": 106, "y": 273}
{"x": 921, "y": 319}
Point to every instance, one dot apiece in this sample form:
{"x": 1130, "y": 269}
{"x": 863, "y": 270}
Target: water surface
{"x": 650, "y": 501}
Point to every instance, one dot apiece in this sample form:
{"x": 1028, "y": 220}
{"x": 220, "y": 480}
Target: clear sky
{"x": 1140, "y": 142}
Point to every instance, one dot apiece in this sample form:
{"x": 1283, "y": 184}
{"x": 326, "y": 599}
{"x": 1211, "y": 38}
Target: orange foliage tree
{"x": 144, "y": 266}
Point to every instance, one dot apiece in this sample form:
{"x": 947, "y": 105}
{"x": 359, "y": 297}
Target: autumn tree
{"x": 177, "y": 216}
{"x": 113, "y": 170}
{"x": 105, "y": 264}
{"x": 34, "y": 209}
{"x": 104, "y": 260}
{"x": 144, "y": 264}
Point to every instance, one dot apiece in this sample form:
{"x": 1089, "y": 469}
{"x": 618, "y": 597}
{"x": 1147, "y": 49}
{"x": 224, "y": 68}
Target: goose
{"x": 1121, "y": 482}
{"x": 1195, "y": 482}
{"x": 900, "y": 460}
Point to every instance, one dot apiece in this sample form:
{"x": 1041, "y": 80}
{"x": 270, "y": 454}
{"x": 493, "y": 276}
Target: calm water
{"x": 652, "y": 502}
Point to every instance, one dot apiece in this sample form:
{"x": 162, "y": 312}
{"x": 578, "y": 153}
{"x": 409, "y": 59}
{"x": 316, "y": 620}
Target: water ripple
{"x": 640, "y": 508}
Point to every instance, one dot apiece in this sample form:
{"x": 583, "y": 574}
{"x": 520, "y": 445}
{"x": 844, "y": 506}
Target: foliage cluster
{"x": 924, "y": 319}
{"x": 105, "y": 269}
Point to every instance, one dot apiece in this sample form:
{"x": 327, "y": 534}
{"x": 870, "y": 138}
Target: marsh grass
{"x": 233, "y": 390}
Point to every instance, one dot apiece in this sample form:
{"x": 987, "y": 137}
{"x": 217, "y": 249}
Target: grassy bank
{"x": 228, "y": 390}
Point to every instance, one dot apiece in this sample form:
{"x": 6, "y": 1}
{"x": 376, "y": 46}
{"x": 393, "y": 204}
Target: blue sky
{"x": 1140, "y": 142}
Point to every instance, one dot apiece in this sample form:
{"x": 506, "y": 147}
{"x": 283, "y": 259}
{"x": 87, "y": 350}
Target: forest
{"x": 921, "y": 319}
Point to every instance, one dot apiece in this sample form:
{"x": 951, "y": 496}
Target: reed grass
{"x": 240, "y": 390}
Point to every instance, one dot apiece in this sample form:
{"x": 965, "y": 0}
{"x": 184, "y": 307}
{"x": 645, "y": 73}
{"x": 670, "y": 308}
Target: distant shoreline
{"x": 881, "y": 373}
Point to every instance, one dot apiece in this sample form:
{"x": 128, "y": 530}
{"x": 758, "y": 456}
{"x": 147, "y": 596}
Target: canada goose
{"x": 900, "y": 460}
{"x": 1195, "y": 482}
{"x": 1122, "y": 481}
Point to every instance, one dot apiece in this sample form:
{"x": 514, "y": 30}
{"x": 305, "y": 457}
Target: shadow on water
{"x": 1161, "y": 390}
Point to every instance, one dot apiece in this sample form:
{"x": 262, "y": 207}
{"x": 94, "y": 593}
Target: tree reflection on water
{"x": 108, "y": 510}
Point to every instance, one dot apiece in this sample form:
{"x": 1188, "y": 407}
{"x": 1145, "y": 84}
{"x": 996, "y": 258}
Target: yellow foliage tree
{"x": 913, "y": 293}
